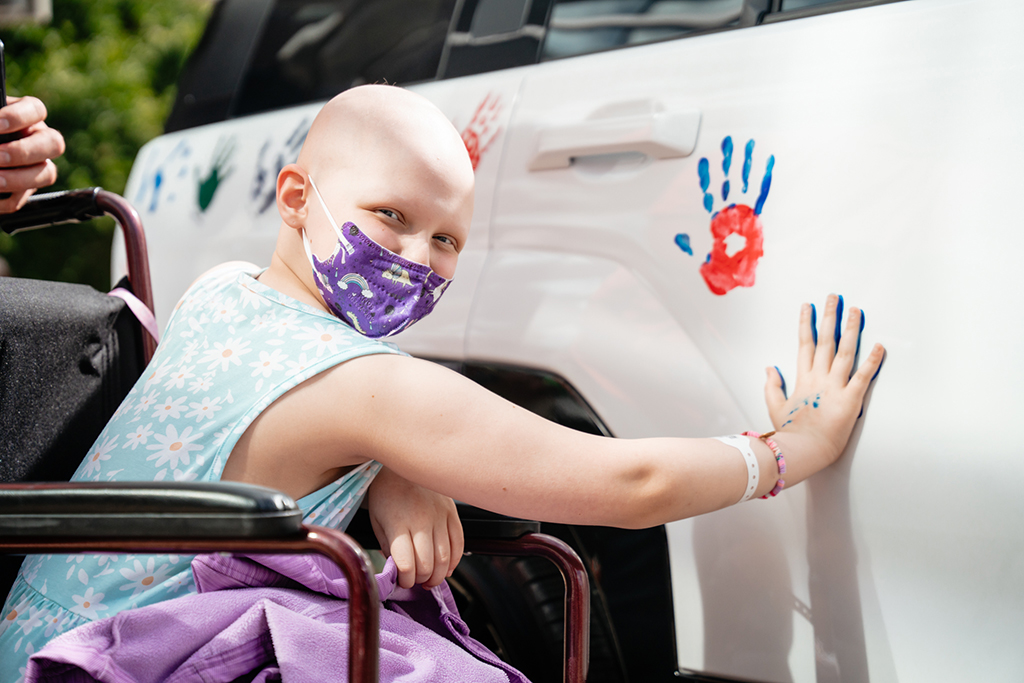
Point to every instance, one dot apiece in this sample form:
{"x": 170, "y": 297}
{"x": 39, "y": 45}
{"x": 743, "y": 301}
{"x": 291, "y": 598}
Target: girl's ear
{"x": 292, "y": 194}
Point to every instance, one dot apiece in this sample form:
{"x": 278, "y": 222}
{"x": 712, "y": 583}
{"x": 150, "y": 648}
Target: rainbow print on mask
{"x": 357, "y": 280}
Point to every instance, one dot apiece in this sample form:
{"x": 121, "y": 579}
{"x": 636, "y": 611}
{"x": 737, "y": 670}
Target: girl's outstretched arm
{"x": 442, "y": 431}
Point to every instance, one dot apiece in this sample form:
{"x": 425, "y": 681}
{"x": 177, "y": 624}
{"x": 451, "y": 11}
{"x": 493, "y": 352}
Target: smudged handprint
{"x": 160, "y": 182}
{"x": 270, "y": 162}
{"x": 218, "y": 173}
{"x": 737, "y": 231}
{"x": 480, "y": 132}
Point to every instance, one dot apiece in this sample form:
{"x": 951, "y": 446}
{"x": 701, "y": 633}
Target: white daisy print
{"x": 295, "y": 367}
{"x": 172, "y": 407}
{"x": 195, "y": 325}
{"x": 191, "y": 349}
{"x": 226, "y": 354}
{"x": 174, "y": 447}
{"x": 247, "y": 297}
{"x": 99, "y": 453}
{"x": 323, "y": 337}
{"x": 184, "y": 476}
{"x": 146, "y": 402}
{"x": 178, "y": 377}
{"x": 15, "y": 612}
{"x": 143, "y": 578}
{"x": 139, "y": 435}
{"x": 227, "y": 312}
{"x": 156, "y": 374}
{"x": 179, "y": 582}
{"x": 57, "y": 623}
{"x": 263, "y": 323}
{"x": 218, "y": 438}
{"x": 288, "y": 323}
{"x": 88, "y": 605}
{"x": 125, "y": 406}
{"x": 204, "y": 409}
{"x": 268, "y": 363}
{"x": 203, "y": 383}
{"x": 33, "y": 620}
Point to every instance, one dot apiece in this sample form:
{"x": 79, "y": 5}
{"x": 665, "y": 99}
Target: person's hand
{"x": 417, "y": 527}
{"x": 818, "y": 417}
{"x": 25, "y": 164}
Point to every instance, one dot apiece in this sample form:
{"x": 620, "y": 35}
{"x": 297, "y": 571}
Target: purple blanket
{"x": 274, "y": 617}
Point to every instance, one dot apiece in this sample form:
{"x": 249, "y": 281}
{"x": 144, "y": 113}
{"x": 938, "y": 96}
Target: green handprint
{"x": 217, "y": 174}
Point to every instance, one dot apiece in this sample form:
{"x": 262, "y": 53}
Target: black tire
{"x": 515, "y": 607}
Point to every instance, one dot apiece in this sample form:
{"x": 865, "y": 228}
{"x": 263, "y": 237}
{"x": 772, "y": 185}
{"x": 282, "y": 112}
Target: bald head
{"x": 383, "y": 121}
{"x": 387, "y": 160}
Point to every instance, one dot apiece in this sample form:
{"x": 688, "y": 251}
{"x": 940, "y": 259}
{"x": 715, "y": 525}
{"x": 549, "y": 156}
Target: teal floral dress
{"x": 232, "y": 347}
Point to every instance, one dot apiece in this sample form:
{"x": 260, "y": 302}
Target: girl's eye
{"x": 444, "y": 239}
{"x": 393, "y": 215}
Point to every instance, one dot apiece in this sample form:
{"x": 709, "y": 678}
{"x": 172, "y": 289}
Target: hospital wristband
{"x": 779, "y": 460}
{"x": 743, "y": 446}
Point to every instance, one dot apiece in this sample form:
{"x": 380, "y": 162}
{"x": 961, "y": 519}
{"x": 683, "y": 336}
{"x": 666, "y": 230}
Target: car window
{"x": 489, "y": 35}
{"x": 581, "y": 26}
{"x": 313, "y": 49}
{"x": 787, "y": 5}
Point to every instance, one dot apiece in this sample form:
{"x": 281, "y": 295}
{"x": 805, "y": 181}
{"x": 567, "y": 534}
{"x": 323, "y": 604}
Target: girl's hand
{"x": 816, "y": 421}
{"x": 419, "y": 528}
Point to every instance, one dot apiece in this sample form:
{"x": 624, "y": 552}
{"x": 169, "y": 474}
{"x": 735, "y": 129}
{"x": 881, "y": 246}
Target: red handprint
{"x": 737, "y": 231}
{"x": 479, "y": 133}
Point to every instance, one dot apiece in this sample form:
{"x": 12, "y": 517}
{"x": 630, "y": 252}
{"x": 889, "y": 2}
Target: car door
{"x": 662, "y": 211}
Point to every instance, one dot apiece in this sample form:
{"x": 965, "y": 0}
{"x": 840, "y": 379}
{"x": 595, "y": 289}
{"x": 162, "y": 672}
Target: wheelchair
{"x": 68, "y": 356}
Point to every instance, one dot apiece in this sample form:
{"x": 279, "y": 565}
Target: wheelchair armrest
{"x": 146, "y": 510}
{"x": 476, "y": 524}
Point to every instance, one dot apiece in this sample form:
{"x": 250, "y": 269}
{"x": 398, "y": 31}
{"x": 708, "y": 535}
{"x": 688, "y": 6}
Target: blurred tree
{"x": 106, "y": 70}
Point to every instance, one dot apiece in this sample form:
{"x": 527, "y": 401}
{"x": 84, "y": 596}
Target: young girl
{"x": 278, "y": 377}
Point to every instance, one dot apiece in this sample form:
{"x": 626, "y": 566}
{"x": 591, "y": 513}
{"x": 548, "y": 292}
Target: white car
{"x": 660, "y": 184}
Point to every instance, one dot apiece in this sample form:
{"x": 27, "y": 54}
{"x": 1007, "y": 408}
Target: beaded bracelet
{"x": 781, "y": 461}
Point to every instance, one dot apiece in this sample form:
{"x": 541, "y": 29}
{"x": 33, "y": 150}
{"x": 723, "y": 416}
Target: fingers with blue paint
{"x": 726, "y": 165}
{"x": 748, "y": 155}
{"x": 703, "y": 170}
{"x": 782, "y": 382}
{"x": 766, "y": 184}
{"x": 826, "y": 346}
{"x": 814, "y": 323}
{"x": 860, "y": 333}
{"x": 885, "y": 354}
{"x": 839, "y": 320}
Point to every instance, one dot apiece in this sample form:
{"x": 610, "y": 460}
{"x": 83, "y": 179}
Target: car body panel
{"x": 896, "y": 137}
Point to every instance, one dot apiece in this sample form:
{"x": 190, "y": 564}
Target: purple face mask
{"x": 371, "y": 288}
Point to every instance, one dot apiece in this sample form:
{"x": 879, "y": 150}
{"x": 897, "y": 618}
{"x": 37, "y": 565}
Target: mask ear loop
{"x": 347, "y": 247}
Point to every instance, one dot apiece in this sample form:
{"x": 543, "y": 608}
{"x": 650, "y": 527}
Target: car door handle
{"x": 661, "y": 135}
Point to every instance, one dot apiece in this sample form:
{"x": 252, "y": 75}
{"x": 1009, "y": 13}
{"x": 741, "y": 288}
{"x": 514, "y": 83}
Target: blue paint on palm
{"x": 766, "y": 184}
{"x": 748, "y": 154}
{"x": 683, "y": 241}
{"x": 703, "y": 170}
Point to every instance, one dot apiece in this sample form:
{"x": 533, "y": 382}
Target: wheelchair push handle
{"x": 75, "y": 206}
{"x": 54, "y": 208}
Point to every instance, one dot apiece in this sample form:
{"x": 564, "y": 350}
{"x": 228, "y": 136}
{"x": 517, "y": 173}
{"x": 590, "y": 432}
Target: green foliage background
{"x": 106, "y": 71}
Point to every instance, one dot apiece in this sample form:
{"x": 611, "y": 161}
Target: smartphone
{"x": 5, "y": 137}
